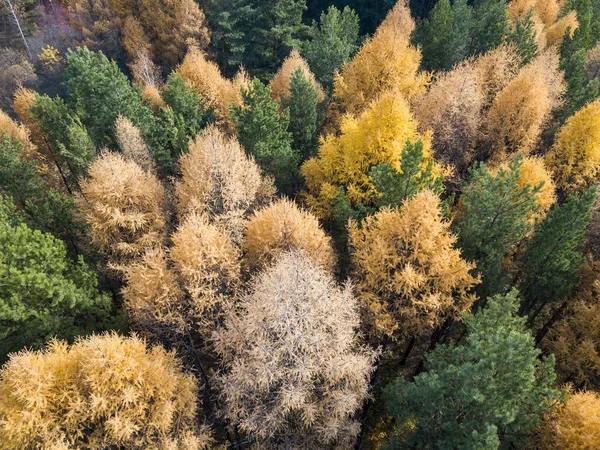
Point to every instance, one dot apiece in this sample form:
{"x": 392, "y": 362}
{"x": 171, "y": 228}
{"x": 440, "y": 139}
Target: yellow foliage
{"x": 452, "y": 108}
{"x": 152, "y": 93}
{"x": 385, "y": 61}
{"x": 295, "y": 372}
{"x": 556, "y": 32}
{"x": 123, "y": 207}
{"x": 101, "y": 392}
{"x": 574, "y": 158}
{"x": 408, "y": 272}
{"x": 283, "y": 226}
{"x": 206, "y": 78}
{"x": 209, "y": 265}
{"x": 377, "y": 135}
{"x": 514, "y": 122}
{"x": 50, "y": 57}
{"x": 219, "y": 180}
{"x": 18, "y": 133}
{"x": 571, "y": 426}
{"x": 280, "y": 84}
{"x": 496, "y": 69}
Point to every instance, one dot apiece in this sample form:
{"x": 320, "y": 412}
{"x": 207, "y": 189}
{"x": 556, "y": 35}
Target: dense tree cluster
{"x": 300, "y": 224}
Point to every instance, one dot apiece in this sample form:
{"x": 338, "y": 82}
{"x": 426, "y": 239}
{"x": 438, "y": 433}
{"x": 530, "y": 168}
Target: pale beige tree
{"x": 283, "y": 226}
{"x": 496, "y": 69}
{"x": 123, "y": 206}
{"x": 221, "y": 181}
{"x": 103, "y": 391}
{"x": 294, "y": 375}
{"x": 132, "y": 145}
{"x": 409, "y": 274}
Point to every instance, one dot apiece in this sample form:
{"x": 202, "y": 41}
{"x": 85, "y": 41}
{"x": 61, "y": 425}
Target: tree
{"x": 132, "y": 145}
{"x": 43, "y": 292}
{"x": 408, "y": 272}
{"x": 515, "y": 121}
{"x": 332, "y": 42}
{"x": 262, "y": 131}
{"x": 572, "y": 425}
{"x": 523, "y": 35}
{"x": 281, "y": 83}
{"x": 574, "y": 158}
{"x": 490, "y": 25}
{"x": 444, "y": 36}
{"x": 283, "y": 226}
{"x": 553, "y": 261}
{"x": 385, "y": 61}
{"x": 220, "y": 181}
{"x": 494, "y": 214}
{"x": 122, "y": 205}
{"x": 295, "y": 374}
{"x": 416, "y": 174}
{"x": 345, "y": 160}
{"x": 489, "y": 390}
{"x": 101, "y": 391}
{"x": 302, "y": 106}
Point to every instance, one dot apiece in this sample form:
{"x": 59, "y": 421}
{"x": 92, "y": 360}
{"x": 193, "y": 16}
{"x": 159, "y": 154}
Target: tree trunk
{"x": 13, "y": 11}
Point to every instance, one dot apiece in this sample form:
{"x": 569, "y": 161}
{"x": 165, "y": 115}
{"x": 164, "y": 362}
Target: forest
{"x": 299, "y": 224}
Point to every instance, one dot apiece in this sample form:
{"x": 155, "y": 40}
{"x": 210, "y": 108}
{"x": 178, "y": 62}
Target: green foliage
{"x": 580, "y": 91}
{"x": 444, "y": 35}
{"x": 302, "y": 107}
{"x": 41, "y": 207}
{"x": 262, "y": 131}
{"x": 415, "y": 174}
{"x": 43, "y": 293}
{"x": 495, "y": 214}
{"x": 523, "y": 35}
{"x": 487, "y": 391}
{"x": 67, "y": 137}
{"x": 553, "y": 260}
{"x": 332, "y": 42}
{"x": 191, "y": 114}
{"x": 490, "y": 25}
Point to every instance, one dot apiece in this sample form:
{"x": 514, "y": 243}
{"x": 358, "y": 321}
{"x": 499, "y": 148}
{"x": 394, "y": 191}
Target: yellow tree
{"x": 221, "y": 181}
{"x": 515, "y": 121}
{"x": 408, "y": 272}
{"x": 385, "y": 61}
{"x": 280, "y": 84}
{"x": 283, "y": 226}
{"x": 574, "y": 158}
{"x": 123, "y": 207}
{"x": 101, "y": 392}
{"x": 496, "y": 69}
{"x": 295, "y": 374}
{"x": 574, "y": 425}
{"x": 378, "y": 135}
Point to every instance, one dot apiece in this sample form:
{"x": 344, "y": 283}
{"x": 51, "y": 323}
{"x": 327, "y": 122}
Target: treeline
{"x": 222, "y": 227}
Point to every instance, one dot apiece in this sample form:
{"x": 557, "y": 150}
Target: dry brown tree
{"x": 294, "y": 375}
{"x": 409, "y": 275}
{"x": 280, "y": 84}
{"x": 132, "y": 146}
{"x": 221, "y": 181}
{"x": 284, "y": 226}
{"x": 103, "y": 391}
{"x": 123, "y": 206}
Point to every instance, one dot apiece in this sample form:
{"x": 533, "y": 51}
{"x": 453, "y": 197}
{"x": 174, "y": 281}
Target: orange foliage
{"x": 408, "y": 272}
{"x": 280, "y": 84}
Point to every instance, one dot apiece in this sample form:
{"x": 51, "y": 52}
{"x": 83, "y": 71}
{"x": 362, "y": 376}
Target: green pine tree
{"x": 490, "y": 25}
{"x": 43, "y": 293}
{"x": 494, "y": 216}
{"x": 553, "y": 258}
{"x": 302, "y": 106}
{"x": 332, "y": 42}
{"x": 523, "y": 36}
{"x": 263, "y": 132}
{"x": 415, "y": 174}
{"x": 486, "y": 392}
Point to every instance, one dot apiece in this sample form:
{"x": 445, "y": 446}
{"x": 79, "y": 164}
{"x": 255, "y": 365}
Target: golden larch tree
{"x": 574, "y": 158}
{"x": 409, "y": 274}
{"x": 496, "y": 69}
{"x": 132, "y": 145}
{"x": 378, "y": 135}
{"x": 294, "y": 374}
{"x": 385, "y": 61}
{"x": 17, "y": 133}
{"x": 122, "y": 205}
{"x": 515, "y": 121}
{"x": 280, "y": 84}
{"x": 283, "y": 226}
{"x": 101, "y": 392}
{"x": 221, "y": 181}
